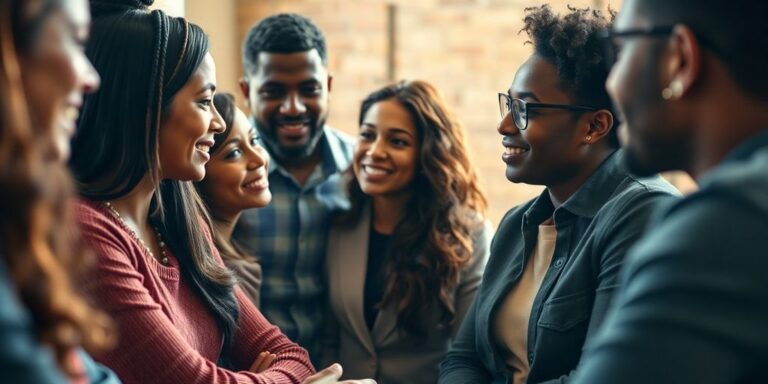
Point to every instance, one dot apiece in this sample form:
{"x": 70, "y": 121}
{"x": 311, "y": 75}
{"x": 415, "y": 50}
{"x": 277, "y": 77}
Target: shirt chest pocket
{"x": 561, "y": 314}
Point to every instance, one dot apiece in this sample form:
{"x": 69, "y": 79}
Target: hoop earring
{"x": 673, "y": 91}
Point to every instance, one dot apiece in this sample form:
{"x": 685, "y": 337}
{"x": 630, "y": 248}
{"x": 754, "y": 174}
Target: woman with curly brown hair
{"x": 405, "y": 261}
{"x": 555, "y": 260}
{"x": 43, "y": 76}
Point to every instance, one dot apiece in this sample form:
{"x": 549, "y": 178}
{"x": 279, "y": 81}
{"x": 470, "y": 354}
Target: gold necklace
{"x": 163, "y": 256}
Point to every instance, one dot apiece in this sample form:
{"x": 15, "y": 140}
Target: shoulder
{"x": 95, "y": 221}
{"x": 101, "y": 232}
{"x": 343, "y": 139}
{"x": 636, "y": 195}
{"x": 739, "y": 181}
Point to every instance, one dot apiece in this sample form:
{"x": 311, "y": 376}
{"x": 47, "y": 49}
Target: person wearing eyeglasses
{"x": 693, "y": 303}
{"x": 555, "y": 260}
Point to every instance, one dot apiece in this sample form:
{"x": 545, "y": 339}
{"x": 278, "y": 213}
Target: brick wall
{"x": 470, "y": 49}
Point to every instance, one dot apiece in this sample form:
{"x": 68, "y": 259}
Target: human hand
{"x": 263, "y": 361}
{"x": 331, "y": 375}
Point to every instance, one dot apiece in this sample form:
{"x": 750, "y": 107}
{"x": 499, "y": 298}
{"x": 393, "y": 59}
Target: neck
{"x": 559, "y": 193}
{"x": 301, "y": 169}
{"x": 721, "y": 130}
{"x": 387, "y": 212}
{"x": 134, "y": 206}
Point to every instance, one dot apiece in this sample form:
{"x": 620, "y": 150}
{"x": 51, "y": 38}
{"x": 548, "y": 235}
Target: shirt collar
{"x": 590, "y": 197}
{"x": 749, "y": 147}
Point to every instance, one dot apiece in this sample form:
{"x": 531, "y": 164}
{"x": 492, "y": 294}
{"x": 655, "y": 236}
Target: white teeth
{"x": 71, "y": 113}
{"x": 203, "y": 147}
{"x": 514, "y": 151}
{"x": 374, "y": 171}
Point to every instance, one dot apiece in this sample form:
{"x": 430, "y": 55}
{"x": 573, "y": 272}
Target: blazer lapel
{"x": 384, "y": 325}
{"x": 353, "y": 261}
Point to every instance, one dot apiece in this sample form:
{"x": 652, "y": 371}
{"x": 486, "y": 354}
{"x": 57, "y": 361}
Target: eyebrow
{"x": 525, "y": 95}
{"x": 391, "y": 129}
{"x": 208, "y": 87}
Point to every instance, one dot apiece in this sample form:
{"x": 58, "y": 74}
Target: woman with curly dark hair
{"x": 405, "y": 261}
{"x": 555, "y": 260}
{"x": 43, "y": 76}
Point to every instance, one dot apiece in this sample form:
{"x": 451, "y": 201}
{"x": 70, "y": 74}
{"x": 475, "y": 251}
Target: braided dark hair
{"x": 145, "y": 58}
{"x": 572, "y": 43}
{"x": 282, "y": 33}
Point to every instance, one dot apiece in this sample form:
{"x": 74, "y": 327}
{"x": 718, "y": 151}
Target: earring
{"x": 673, "y": 91}
{"x": 589, "y": 137}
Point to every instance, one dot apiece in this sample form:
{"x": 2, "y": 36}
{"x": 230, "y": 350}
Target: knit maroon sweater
{"x": 166, "y": 334}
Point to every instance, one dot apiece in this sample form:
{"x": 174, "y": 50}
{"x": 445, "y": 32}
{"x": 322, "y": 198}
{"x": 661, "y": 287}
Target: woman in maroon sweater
{"x": 141, "y": 140}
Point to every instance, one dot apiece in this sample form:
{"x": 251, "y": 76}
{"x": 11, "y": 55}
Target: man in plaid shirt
{"x": 287, "y": 84}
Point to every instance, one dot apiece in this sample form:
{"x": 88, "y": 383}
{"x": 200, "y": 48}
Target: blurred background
{"x": 470, "y": 49}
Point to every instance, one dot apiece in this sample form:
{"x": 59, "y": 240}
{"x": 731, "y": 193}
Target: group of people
{"x": 152, "y": 232}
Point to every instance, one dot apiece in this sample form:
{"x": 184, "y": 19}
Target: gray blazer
{"x": 383, "y": 353}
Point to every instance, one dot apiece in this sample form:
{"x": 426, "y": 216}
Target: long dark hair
{"x": 145, "y": 58}
{"x": 37, "y": 242}
{"x": 433, "y": 239}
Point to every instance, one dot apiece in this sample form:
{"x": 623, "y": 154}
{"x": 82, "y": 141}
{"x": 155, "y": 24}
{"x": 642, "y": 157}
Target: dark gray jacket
{"x": 595, "y": 229}
{"x": 693, "y": 306}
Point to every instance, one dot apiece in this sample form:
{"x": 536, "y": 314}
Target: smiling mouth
{"x": 514, "y": 151}
{"x": 203, "y": 147}
{"x": 260, "y": 183}
{"x": 375, "y": 171}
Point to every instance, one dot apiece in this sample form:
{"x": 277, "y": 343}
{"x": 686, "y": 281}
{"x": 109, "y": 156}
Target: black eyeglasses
{"x": 519, "y": 109}
{"x": 612, "y": 49}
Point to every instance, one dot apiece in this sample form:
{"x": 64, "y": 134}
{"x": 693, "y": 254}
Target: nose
{"x": 257, "y": 157}
{"x": 293, "y": 105}
{"x": 507, "y": 126}
{"x": 377, "y": 149}
{"x": 217, "y": 122}
{"x": 89, "y": 77}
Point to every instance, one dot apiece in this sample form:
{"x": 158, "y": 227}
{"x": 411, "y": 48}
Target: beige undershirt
{"x": 511, "y": 323}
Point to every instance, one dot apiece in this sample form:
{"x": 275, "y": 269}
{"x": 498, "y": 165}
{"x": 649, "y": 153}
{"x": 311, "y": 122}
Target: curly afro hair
{"x": 573, "y": 44}
{"x": 282, "y": 33}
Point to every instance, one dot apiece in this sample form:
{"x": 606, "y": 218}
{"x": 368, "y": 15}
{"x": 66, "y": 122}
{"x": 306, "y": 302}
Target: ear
{"x": 245, "y": 88}
{"x": 683, "y": 62}
{"x": 600, "y": 125}
{"x": 330, "y": 82}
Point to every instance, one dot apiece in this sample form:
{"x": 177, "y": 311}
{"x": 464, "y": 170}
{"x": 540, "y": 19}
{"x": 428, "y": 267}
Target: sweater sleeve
{"x": 256, "y": 334}
{"x": 150, "y": 349}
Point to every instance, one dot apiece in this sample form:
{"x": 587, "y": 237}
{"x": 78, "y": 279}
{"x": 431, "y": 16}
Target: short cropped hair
{"x": 282, "y": 33}
{"x": 735, "y": 31}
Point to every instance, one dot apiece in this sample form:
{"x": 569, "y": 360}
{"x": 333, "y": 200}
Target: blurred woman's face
{"x": 236, "y": 178}
{"x": 56, "y": 73}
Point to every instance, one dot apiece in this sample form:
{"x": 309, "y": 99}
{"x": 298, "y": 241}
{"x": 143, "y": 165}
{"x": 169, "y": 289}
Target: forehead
{"x": 289, "y": 66}
{"x": 76, "y": 11}
{"x": 536, "y": 75}
{"x": 206, "y": 72}
{"x": 388, "y": 114}
{"x": 630, "y": 16}
{"x": 241, "y": 126}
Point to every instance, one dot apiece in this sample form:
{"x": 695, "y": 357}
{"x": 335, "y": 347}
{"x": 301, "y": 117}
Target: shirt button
{"x": 559, "y": 263}
{"x": 530, "y": 357}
